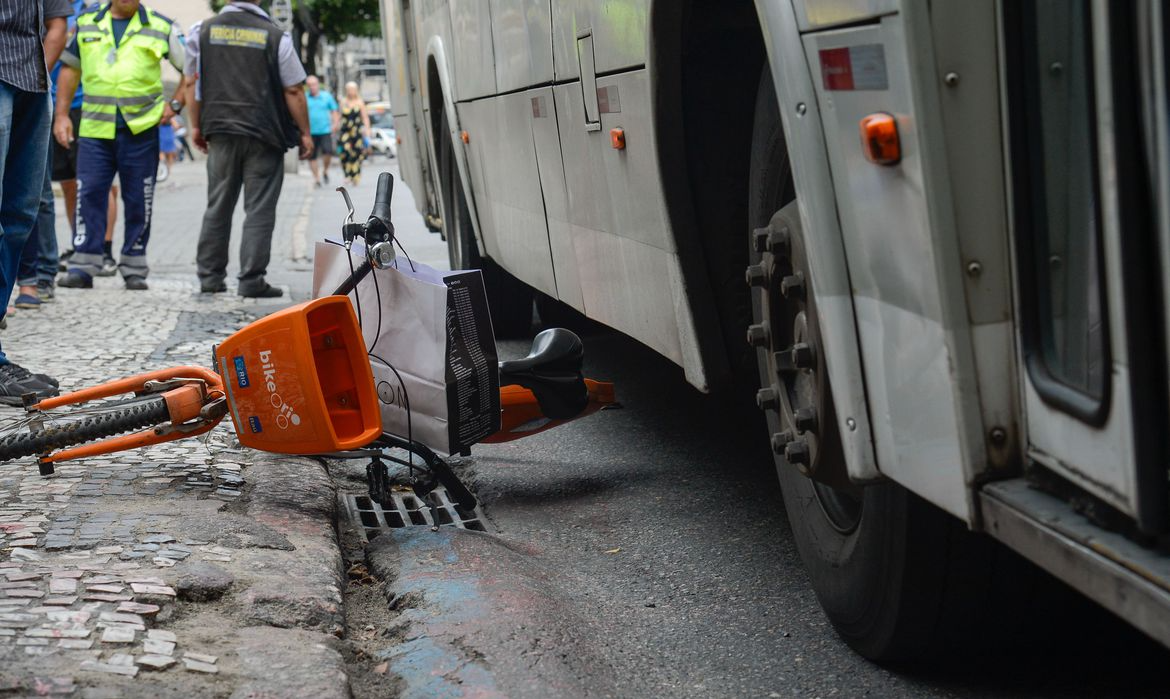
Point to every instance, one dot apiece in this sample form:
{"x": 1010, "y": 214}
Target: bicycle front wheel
{"x": 39, "y": 433}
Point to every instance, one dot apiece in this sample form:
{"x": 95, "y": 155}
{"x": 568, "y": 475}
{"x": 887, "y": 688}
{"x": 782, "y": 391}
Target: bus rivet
{"x": 998, "y": 436}
{"x": 974, "y": 268}
{"x": 851, "y": 424}
{"x": 801, "y": 109}
{"x": 951, "y": 79}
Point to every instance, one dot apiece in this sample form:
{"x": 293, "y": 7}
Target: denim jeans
{"x": 24, "y": 146}
{"x": 38, "y": 260}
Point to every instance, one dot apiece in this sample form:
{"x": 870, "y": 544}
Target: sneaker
{"x": 23, "y": 373}
{"x": 63, "y": 258}
{"x": 16, "y": 381}
{"x": 136, "y": 283}
{"x": 326, "y": 176}
{"x": 27, "y": 301}
{"x": 213, "y": 288}
{"x": 45, "y": 291}
{"x": 74, "y": 279}
{"x": 109, "y": 266}
{"x": 267, "y": 292}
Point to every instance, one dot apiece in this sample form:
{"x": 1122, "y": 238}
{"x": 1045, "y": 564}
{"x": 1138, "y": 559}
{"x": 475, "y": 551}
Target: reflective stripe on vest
{"x": 127, "y": 77}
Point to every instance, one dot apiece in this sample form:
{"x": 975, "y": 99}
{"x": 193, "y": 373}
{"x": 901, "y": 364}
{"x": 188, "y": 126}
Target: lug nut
{"x": 805, "y": 420}
{"x": 792, "y": 286}
{"x": 767, "y": 399}
{"x": 796, "y": 452}
{"x": 779, "y": 440}
{"x": 760, "y": 239}
{"x": 799, "y": 356}
{"x": 757, "y": 335}
{"x": 756, "y": 275}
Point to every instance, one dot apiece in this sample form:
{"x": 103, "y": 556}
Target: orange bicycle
{"x": 306, "y": 370}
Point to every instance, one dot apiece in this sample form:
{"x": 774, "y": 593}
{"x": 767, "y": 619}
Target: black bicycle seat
{"x": 552, "y": 371}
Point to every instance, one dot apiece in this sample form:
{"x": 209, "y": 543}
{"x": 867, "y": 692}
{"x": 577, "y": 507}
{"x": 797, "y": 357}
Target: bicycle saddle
{"x": 552, "y": 371}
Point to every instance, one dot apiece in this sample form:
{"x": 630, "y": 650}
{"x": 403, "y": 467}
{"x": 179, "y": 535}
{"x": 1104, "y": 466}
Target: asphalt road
{"x": 665, "y": 528}
{"x": 662, "y": 528}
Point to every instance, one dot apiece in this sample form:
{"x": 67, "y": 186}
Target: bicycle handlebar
{"x": 385, "y": 191}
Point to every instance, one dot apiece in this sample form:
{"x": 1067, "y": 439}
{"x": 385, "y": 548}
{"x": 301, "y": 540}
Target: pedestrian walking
{"x": 116, "y": 55}
{"x": 355, "y": 133}
{"x": 324, "y": 118}
{"x": 24, "y": 151}
{"x": 247, "y": 108}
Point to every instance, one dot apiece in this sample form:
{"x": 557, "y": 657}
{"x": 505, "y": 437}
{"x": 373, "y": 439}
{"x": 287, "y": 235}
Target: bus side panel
{"x": 622, "y": 247}
{"x": 402, "y": 71}
{"x": 904, "y": 267}
{"x": 618, "y": 28}
{"x": 502, "y": 153}
{"x": 522, "y": 36}
{"x": 472, "y": 58}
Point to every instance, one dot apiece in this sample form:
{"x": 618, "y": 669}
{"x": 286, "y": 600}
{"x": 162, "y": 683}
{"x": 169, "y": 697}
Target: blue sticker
{"x": 241, "y": 373}
{"x": 254, "y": 423}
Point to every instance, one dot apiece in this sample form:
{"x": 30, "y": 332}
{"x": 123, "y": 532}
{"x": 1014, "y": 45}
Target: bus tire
{"x": 896, "y": 576}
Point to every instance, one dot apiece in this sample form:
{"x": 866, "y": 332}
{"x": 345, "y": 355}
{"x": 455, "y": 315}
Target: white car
{"x": 383, "y": 141}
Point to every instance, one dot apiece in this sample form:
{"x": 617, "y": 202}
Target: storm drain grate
{"x": 407, "y": 510}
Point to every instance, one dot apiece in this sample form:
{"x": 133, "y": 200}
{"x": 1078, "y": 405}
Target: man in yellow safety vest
{"x": 116, "y": 54}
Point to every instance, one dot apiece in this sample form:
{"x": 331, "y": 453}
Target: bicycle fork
{"x": 195, "y": 402}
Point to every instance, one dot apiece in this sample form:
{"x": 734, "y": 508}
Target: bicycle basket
{"x": 299, "y": 382}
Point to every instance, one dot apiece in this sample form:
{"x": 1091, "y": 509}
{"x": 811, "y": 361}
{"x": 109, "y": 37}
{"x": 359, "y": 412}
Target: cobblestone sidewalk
{"x": 189, "y": 569}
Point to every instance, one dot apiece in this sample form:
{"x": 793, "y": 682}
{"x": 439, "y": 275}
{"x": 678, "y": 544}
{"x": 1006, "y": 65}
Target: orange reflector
{"x": 466, "y": 138}
{"x": 617, "y": 139}
{"x": 398, "y": 139}
{"x": 879, "y": 139}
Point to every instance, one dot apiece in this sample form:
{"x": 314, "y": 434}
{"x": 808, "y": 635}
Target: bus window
{"x": 1058, "y": 213}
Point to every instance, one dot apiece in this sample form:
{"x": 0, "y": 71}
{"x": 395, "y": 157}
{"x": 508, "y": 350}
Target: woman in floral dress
{"x": 354, "y": 133}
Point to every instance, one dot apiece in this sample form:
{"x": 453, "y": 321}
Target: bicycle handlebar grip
{"x": 385, "y": 191}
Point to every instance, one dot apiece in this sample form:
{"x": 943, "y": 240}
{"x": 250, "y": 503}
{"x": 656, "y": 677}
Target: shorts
{"x": 65, "y": 159}
{"x": 322, "y": 143}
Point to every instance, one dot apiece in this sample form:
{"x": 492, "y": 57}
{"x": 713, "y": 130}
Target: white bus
{"x": 937, "y": 234}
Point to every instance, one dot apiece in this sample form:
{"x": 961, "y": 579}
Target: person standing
{"x": 167, "y": 150}
{"x": 355, "y": 133}
{"x": 247, "y": 108}
{"x": 323, "y": 120}
{"x": 37, "y": 269}
{"x": 24, "y": 153}
{"x": 116, "y": 55}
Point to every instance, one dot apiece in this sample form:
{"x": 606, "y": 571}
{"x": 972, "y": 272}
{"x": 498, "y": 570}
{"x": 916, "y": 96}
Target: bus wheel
{"x": 892, "y": 572}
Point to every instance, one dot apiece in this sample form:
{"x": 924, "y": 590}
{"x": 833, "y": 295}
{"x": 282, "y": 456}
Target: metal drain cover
{"x": 407, "y": 510}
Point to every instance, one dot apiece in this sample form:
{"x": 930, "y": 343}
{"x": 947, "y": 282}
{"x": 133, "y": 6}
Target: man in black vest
{"x": 247, "y": 108}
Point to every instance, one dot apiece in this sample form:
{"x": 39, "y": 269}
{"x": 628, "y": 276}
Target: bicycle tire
{"x": 137, "y": 414}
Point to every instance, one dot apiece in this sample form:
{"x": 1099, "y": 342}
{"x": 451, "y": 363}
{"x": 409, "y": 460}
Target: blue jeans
{"x": 24, "y": 146}
{"x": 38, "y": 260}
{"x": 134, "y": 157}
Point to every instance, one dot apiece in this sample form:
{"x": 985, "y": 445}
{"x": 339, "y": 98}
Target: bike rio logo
{"x": 284, "y": 412}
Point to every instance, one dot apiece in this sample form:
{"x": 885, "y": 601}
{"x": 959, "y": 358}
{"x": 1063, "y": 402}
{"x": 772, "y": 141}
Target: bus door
{"x": 1089, "y": 274}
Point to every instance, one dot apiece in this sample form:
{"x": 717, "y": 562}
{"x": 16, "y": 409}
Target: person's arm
{"x": 298, "y": 108}
{"x": 191, "y": 87}
{"x": 365, "y": 121}
{"x": 54, "y": 41}
{"x": 67, "y": 81}
{"x": 193, "y": 106}
{"x": 178, "y": 58}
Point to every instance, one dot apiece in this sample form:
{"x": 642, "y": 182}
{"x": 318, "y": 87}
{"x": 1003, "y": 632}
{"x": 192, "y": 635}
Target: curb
{"x": 479, "y": 618}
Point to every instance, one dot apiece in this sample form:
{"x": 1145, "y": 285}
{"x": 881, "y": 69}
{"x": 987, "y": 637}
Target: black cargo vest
{"x": 239, "y": 76}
